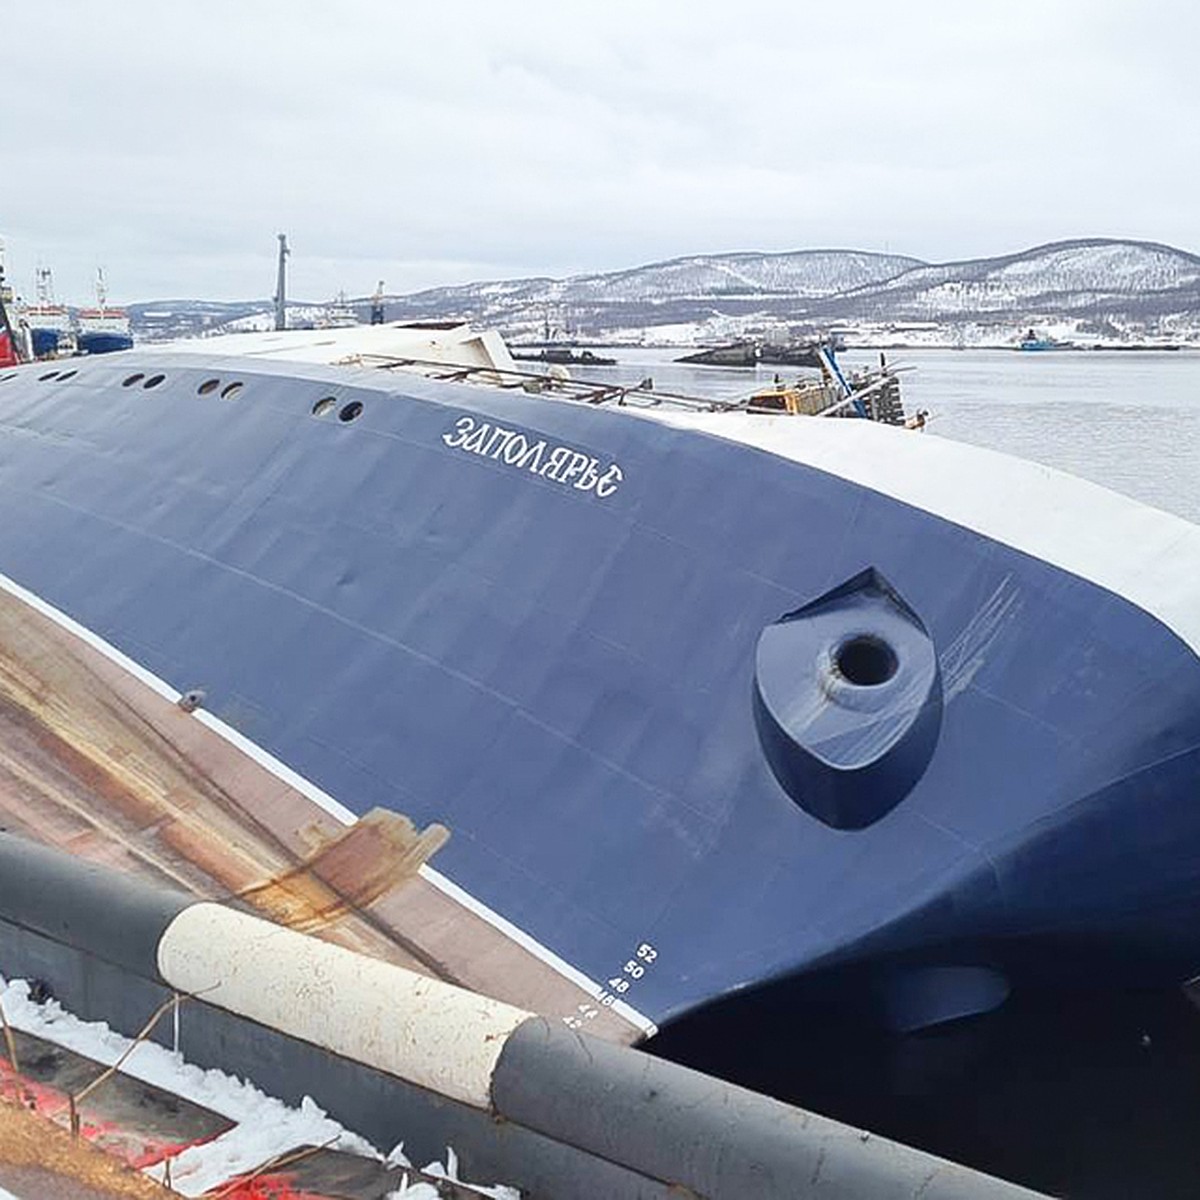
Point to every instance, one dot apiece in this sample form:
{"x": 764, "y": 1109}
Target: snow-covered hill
{"x": 1062, "y": 277}
{"x": 1095, "y": 289}
{"x": 1091, "y": 289}
{"x": 801, "y": 273}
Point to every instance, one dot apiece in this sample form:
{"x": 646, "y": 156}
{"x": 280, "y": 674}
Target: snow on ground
{"x": 265, "y": 1128}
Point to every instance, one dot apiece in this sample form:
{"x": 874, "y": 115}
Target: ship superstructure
{"x": 51, "y": 328}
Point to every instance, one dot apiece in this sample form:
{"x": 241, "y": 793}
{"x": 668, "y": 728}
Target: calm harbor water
{"x": 1128, "y": 420}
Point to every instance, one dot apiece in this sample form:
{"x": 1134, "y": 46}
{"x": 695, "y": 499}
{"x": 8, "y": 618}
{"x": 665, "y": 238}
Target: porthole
{"x": 153, "y": 381}
{"x": 230, "y": 390}
{"x": 130, "y": 380}
{"x": 6, "y": 378}
{"x": 48, "y": 375}
{"x": 209, "y": 385}
{"x": 351, "y": 411}
{"x": 324, "y": 405}
{"x": 67, "y": 375}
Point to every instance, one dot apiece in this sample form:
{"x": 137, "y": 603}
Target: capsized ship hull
{"x": 645, "y": 710}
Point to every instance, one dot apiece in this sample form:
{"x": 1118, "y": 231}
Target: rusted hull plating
{"x": 99, "y": 762}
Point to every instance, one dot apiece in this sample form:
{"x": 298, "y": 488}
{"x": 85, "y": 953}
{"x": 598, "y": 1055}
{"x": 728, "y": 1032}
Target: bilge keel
{"x": 636, "y": 709}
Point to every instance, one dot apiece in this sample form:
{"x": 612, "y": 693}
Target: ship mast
{"x": 281, "y": 284}
{"x": 44, "y": 286}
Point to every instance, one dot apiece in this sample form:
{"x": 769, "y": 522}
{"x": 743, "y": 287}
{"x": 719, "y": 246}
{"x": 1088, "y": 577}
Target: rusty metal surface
{"x": 39, "y": 1161}
{"x": 94, "y": 761}
{"x": 125, "y": 1117}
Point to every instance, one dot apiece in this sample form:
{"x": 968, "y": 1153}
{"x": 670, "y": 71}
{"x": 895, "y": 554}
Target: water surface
{"x": 1128, "y": 420}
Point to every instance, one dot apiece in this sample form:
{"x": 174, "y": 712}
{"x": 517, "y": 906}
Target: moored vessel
{"x": 51, "y": 329}
{"x": 611, "y": 711}
{"x": 1035, "y": 341}
{"x": 103, "y": 329}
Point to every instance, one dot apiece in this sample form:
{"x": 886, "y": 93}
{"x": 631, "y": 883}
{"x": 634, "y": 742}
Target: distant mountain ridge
{"x": 741, "y": 279}
{"x": 1067, "y": 277}
{"x": 1091, "y": 288}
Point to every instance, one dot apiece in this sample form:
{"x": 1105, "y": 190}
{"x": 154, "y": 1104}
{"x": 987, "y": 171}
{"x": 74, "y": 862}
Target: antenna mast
{"x": 281, "y": 284}
{"x": 44, "y": 286}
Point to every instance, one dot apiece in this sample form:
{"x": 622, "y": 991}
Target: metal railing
{"x": 640, "y": 395}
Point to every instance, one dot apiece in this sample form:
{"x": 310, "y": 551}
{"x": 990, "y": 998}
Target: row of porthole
{"x": 147, "y": 382}
{"x": 228, "y": 392}
{"x": 59, "y": 375}
{"x": 349, "y": 411}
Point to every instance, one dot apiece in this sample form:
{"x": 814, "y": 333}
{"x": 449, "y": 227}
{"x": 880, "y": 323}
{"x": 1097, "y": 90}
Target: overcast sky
{"x": 432, "y": 143}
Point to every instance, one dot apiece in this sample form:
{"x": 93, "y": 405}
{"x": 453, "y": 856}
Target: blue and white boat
{"x": 1035, "y": 341}
{"x": 612, "y": 711}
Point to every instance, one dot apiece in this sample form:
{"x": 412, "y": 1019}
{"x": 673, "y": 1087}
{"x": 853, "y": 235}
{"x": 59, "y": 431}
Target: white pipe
{"x": 430, "y": 1033}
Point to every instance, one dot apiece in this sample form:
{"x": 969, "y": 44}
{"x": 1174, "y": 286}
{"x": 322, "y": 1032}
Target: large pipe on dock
{"x": 594, "y": 1120}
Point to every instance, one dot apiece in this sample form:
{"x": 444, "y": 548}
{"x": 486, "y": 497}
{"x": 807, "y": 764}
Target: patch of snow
{"x": 265, "y": 1128}
{"x": 450, "y": 1172}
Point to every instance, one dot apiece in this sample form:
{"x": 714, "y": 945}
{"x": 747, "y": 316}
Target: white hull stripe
{"x": 564, "y": 968}
{"x": 1148, "y": 557}
{"x": 321, "y": 798}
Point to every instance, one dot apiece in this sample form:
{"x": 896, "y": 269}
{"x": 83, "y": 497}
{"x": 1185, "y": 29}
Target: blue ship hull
{"x": 699, "y": 716}
{"x": 103, "y": 342}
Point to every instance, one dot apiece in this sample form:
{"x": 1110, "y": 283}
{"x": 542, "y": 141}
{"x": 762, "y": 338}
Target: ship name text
{"x": 560, "y": 464}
